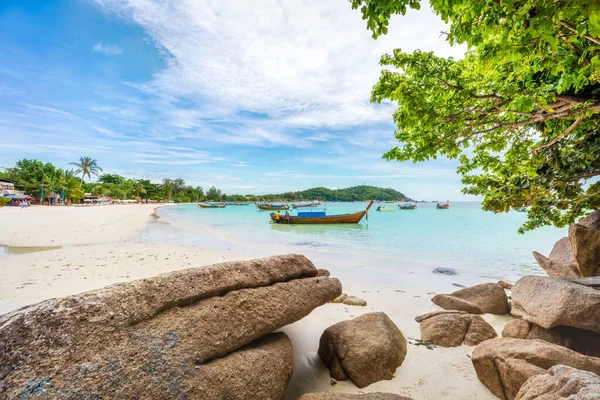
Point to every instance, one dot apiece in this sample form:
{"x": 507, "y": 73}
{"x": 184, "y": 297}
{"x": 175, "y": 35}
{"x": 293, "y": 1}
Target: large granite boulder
{"x": 454, "y": 328}
{"x": 503, "y": 365}
{"x": 346, "y": 396}
{"x": 154, "y": 335}
{"x": 585, "y": 245}
{"x": 560, "y": 263}
{"x": 478, "y": 299}
{"x": 550, "y": 302}
{"x": 365, "y": 349}
{"x": 582, "y": 341}
{"x": 561, "y": 382}
{"x": 592, "y": 221}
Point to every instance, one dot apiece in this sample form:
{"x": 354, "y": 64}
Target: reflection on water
{"x": 13, "y": 250}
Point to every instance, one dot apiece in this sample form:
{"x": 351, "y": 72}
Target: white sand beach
{"x": 99, "y": 250}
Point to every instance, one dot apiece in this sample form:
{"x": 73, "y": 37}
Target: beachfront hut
{"x": 6, "y": 184}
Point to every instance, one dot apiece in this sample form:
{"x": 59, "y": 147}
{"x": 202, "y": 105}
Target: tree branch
{"x": 559, "y": 137}
{"x": 573, "y": 29}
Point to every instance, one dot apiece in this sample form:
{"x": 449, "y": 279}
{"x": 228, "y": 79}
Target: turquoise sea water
{"x": 464, "y": 237}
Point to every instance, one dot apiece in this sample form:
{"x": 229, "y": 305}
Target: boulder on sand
{"x": 453, "y": 328}
{"x": 560, "y": 263}
{"x": 151, "y": 336}
{"x": 561, "y": 382}
{"x": 585, "y": 245}
{"x": 504, "y": 364}
{"x": 550, "y": 302}
{"x": 260, "y": 370}
{"x": 346, "y": 396}
{"x": 478, "y": 299}
{"x": 366, "y": 349}
{"x": 354, "y": 301}
{"x": 582, "y": 341}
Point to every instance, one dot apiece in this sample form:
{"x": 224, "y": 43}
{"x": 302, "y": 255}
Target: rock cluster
{"x": 558, "y": 324}
{"x": 177, "y": 335}
{"x": 503, "y": 365}
{"x": 577, "y": 255}
{"x": 479, "y": 299}
{"x": 366, "y": 349}
{"x": 454, "y": 328}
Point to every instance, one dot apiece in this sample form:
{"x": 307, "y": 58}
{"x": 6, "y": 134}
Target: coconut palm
{"x": 86, "y": 166}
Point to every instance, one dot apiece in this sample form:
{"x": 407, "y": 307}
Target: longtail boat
{"x": 320, "y": 217}
{"x": 272, "y": 207}
{"x": 443, "y": 206}
{"x": 407, "y": 206}
{"x": 385, "y": 208}
{"x": 313, "y": 204}
{"x": 211, "y": 205}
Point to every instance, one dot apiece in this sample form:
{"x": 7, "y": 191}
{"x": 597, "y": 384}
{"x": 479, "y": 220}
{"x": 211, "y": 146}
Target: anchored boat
{"x": 272, "y": 207}
{"x": 321, "y": 217}
{"x": 306, "y": 205}
{"x": 385, "y": 208}
{"x": 407, "y": 206}
{"x": 211, "y": 205}
{"x": 443, "y": 206}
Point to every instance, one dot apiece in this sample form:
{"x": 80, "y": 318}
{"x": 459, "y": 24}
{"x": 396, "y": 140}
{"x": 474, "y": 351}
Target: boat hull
{"x": 352, "y": 218}
{"x": 207, "y": 206}
{"x": 273, "y": 208}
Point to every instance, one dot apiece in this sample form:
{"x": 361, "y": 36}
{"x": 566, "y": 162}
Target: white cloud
{"x": 108, "y": 50}
{"x": 304, "y": 64}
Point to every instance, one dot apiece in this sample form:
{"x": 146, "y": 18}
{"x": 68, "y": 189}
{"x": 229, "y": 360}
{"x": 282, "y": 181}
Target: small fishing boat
{"x": 407, "y": 206}
{"x": 272, "y": 207}
{"x": 306, "y": 205}
{"x": 321, "y": 217}
{"x": 211, "y": 205}
{"x": 443, "y": 206}
{"x": 385, "y": 208}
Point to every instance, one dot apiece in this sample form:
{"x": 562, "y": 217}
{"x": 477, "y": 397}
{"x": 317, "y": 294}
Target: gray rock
{"x": 550, "y": 302}
{"x": 561, "y": 382}
{"x": 582, "y": 341}
{"x": 585, "y": 245}
{"x": 478, "y": 299}
{"x": 148, "y": 336}
{"x": 454, "y": 328}
{"x": 365, "y": 349}
{"x": 560, "y": 263}
{"x": 503, "y": 365}
{"x": 445, "y": 271}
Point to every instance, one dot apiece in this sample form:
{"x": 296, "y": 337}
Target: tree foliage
{"x": 86, "y": 166}
{"x": 520, "y": 111}
{"x": 355, "y": 193}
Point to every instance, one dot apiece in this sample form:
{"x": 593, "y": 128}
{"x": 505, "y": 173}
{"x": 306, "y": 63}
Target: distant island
{"x": 354, "y": 193}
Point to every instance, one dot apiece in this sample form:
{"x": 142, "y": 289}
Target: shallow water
{"x": 464, "y": 237}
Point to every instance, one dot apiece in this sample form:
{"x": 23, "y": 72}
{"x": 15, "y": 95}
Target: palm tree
{"x": 86, "y": 166}
{"x": 138, "y": 188}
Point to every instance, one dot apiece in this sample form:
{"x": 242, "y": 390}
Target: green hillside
{"x": 355, "y": 193}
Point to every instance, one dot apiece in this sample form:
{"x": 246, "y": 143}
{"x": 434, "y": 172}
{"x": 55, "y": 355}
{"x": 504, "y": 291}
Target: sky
{"x": 259, "y": 96}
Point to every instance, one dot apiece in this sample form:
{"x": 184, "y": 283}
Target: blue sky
{"x": 252, "y": 97}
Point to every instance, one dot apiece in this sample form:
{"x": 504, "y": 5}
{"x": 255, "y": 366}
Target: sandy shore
{"x": 60, "y": 226}
{"x": 126, "y": 249}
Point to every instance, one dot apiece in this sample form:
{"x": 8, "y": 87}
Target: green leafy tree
{"x": 520, "y": 111}
{"x": 99, "y": 190}
{"x": 167, "y": 187}
{"x": 138, "y": 188}
{"x": 86, "y": 166}
{"x": 111, "y": 178}
{"x": 214, "y": 194}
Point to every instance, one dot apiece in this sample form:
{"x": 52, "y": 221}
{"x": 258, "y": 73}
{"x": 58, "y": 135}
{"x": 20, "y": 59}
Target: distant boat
{"x": 211, "y": 205}
{"x": 385, "y": 209}
{"x": 272, "y": 207}
{"x": 443, "y": 206}
{"x": 321, "y": 217}
{"x": 306, "y": 205}
{"x": 407, "y": 206}
{"x": 522, "y": 209}
{"x": 237, "y": 203}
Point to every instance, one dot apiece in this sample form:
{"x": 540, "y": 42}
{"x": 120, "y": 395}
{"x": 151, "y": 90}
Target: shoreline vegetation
{"x": 39, "y": 179}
